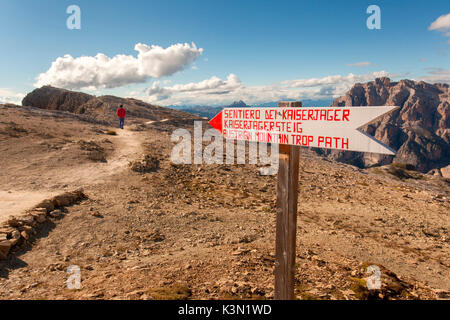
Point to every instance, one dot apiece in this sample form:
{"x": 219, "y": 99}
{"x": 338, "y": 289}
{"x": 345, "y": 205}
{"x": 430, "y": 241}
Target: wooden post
{"x": 287, "y": 193}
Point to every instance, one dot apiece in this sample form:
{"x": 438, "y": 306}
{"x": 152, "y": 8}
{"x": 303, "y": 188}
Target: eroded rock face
{"x": 418, "y": 130}
{"x": 51, "y": 98}
{"x": 100, "y": 108}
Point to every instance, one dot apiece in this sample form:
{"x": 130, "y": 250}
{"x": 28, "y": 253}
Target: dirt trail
{"x": 127, "y": 147}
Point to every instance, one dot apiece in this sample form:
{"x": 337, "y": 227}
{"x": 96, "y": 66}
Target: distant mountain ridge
{"x": 211, "y": 111}
{"x": 237, "y": 104}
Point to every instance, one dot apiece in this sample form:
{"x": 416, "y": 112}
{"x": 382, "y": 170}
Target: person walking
{"x": 121, "y": 113}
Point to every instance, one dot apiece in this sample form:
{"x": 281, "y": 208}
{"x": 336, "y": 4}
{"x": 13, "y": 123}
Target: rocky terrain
{"x": 142, "y": 227}
{"x": 418, "y": 130}
{"x": 99, "y": 108}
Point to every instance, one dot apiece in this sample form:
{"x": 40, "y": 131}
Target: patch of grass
{"x": 175, "y": 292}
{"x": 307, "y": 296}
{"x": 365, "y": 264}
{"x": 399, "y": 172}
{"x": 378, "y": 170}
{"x": 229, "y": 296}
{"x": 360, "y": 289}
{"x": 301, "y": 293}
{"x": 404, "y": 166}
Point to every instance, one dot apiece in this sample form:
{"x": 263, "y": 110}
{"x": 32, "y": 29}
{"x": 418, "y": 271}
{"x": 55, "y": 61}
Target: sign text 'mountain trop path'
{"x": 323, "y": 127}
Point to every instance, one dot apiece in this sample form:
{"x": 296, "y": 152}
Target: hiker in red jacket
{"x": 121, "y": 113}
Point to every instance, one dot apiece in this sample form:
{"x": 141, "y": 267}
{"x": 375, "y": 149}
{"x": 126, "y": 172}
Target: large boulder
{"x": 51, "y": 98}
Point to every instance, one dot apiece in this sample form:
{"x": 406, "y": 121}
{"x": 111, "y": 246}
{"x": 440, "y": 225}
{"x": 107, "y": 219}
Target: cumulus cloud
{"x": 211, "y": 86}
{"x": 9, "y": 96}
{"x": 360, "y": 64}
{"x": 441, "y": 24}
{"x": 101, "y": 71}
{"x": 216, "y": 91}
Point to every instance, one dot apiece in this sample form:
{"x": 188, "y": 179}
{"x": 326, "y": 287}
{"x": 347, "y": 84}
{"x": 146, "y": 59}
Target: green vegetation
{"x": 360, "y": 289}
{"x": 404, "y": 166}
{"x": 301, "y": 293}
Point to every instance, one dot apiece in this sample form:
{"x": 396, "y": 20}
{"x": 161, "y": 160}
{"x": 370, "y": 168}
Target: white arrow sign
{"x": 324, "y": 127}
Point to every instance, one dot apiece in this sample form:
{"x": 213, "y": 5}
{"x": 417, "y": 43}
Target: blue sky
{"x": 265, "y": 45}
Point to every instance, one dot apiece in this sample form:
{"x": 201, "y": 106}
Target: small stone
{"x": 39, "y": 216}
{"x": 6, "y": 230}
{"x": 25, "y": 235}
{"x": 26, "y": 220}
{"x": 14, "y": 241}
{"x": 5, "y": 246}
{"x": 56, "y": 213}
{"x": 15, "y": 235}
{"x": 13, "y": 222}
{"x": 95, "y": 213}
{"x": 47, "y": 205}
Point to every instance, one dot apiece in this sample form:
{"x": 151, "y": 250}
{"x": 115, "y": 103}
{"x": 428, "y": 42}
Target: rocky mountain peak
{"x": 418, "y": 130}
{"x": 237, "y": 104}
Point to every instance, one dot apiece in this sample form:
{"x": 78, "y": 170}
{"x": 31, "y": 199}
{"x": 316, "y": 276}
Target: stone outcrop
{"x": 418, "y": 130}
{"x": 101, "y": 108}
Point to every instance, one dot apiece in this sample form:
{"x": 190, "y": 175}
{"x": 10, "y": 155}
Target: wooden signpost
{"x": 292, "y": 126}
{"x": 286, "y": 227}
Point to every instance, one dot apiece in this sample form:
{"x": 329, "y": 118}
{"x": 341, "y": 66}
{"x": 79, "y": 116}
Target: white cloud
{"x": 360, "y": 64}
{"x": 347, "y": 80}
{"x": 211, "y": 86}
{"x": 216, "y": 91}
{"x": 441, "y": 24}
{"x": 101, "y": 71}
{"x": 437, "y": 75}
{"x": 8, "y": 96}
